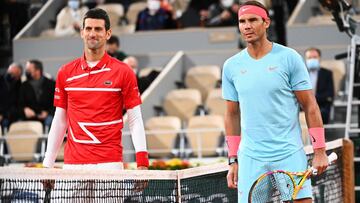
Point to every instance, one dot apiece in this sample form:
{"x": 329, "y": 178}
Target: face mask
{"x": 227, "y": 3}
{"x": 313, "y": 64}
{"x": 153, "y": 5}
{"x": 28, "y": 76}
{"x": 9, "y": 78}
{"x": 74, "y": 5}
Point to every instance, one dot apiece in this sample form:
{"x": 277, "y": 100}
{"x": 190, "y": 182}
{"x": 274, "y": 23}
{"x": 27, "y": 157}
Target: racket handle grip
{"x": 314, "y": 171}
{"x": 331, "y": 159}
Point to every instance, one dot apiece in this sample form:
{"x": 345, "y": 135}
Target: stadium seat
{"x": 338, "y": 69}
{"x": 204, "y": 78}
{"x": 115, "y": 12}
{"x": 205, "y": 134}
{"x": 123, "y": 29}
{"x": 134, "y": 10}
{"x": 182, "y": 103}
{"x": 161, "y": 144}
{"x": 22, "y": 140}
{"x": 214, "y": 103}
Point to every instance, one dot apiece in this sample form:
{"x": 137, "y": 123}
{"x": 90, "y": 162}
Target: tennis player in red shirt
{"x": 90, "y": 95}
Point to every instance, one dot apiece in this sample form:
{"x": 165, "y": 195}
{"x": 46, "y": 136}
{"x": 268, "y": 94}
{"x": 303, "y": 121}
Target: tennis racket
{"x": 279, "y": 185}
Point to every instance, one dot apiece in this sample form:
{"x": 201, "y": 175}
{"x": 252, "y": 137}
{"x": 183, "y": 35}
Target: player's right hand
{"x": 232, "y": 176}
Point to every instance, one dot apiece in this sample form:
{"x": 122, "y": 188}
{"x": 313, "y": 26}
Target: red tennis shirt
{"x": 94, "y": 99}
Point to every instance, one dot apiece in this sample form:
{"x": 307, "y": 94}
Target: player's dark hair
{"x": 37, "y": 64}
{"x": 97, "y": 13}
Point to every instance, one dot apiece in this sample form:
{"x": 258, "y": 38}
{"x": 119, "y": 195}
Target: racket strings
{"x": 276, "y": 187}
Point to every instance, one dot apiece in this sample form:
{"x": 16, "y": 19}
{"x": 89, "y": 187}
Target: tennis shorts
{"x": 250, "y": 169}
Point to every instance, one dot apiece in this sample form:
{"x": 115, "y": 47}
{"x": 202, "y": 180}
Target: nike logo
{"x": 243, "y": 71}
{"x": 272, "y": 68}
{"x": 313, "y": 138}
{"x": 244, "y": 9}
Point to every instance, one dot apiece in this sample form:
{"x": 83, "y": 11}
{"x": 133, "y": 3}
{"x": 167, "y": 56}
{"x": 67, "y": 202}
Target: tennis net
{"x": 200, "y": 184}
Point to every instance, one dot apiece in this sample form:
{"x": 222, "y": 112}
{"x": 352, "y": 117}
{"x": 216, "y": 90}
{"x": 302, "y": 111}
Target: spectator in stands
{"x": 144, "y": 81}
{"x": 223, "y": 13}
{"x": 68, "y": 21}
{"x": 196, "y": 13}
{"x": 322, "y": 82}
{"x": 9, "y": 93}
{"x": 113, "y": 48}
{"x": 176, "y": 7}
{"x": 133, "y": 63}
{"x": 154, "y": 18}
{"x": 37, "y": 94}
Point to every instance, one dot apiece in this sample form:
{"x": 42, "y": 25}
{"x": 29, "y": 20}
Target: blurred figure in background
{"x": 196, "y": 13}
{"x": 176, "y": 7}
{"x": 36, "y": 95}
{"x": 9, "y": 93}
{"x": 223, "y": 13}
{"x": 68, "y": 21}
{"x": 133, "y": 63}
{"x": 154, "y": 17}
{"x": 143, "y": 81}
{"x": 322, "y": 82}
{"x": 113, "y": 48}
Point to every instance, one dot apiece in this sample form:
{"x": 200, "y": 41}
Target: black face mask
{"x": 28, "y": 76}
{"x": 9, "y": 78}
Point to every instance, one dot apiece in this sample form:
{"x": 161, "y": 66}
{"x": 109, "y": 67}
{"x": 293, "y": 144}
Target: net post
{"x": 179, "y": 187}
{"x": 348, "y": 171}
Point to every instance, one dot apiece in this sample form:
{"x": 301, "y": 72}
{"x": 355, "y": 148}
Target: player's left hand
{"x": 320, "y": 160}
